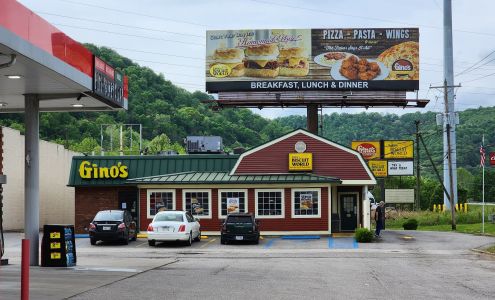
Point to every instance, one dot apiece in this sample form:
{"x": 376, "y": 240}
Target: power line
{"x": 159, "y": 53}
{"x": 170, "y": 64}
{"x": 134, "y": 13}
{"x": 488, "y": 75}
{"x": 472, "y": 67}
{"x": 121, "y": 25}
{"x": 368, "y": 18}
{"x": 128, "y": 34}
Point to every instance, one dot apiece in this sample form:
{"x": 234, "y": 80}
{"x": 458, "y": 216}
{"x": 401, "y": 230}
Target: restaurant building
{"x": 299, "y": 183}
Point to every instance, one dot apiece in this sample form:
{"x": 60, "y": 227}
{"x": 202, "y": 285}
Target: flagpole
{"x": 483, "y": 192}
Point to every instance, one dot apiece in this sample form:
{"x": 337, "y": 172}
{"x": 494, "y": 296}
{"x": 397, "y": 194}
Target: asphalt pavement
{"x": 400, "y": 265}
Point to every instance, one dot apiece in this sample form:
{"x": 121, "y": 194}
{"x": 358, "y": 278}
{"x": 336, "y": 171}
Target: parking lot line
{"x": 269, "y": 244}
{"x": 331, "y": 243}
{"x": 143, "y": 243}
{"x": 209, "y": 242}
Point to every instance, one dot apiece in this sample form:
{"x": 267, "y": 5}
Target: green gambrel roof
{"x": 145, "y": 166}
{"x": 224, "y": 177}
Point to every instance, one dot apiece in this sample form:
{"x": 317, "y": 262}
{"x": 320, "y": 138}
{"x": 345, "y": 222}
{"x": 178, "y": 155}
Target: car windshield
{"x": 239, "y": 219}
{"x": 170, "y": 217}
{"x": 109, "y": 216}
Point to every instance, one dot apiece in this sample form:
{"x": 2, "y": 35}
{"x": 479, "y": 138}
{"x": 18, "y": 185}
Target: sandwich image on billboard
{"x": 312, "y": 59}
{"x": 262, "y": 61}
{"x": 228, "y": 62}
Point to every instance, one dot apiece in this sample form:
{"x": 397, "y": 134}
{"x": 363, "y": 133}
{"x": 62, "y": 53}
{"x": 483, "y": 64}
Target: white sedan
{"x": 174, "y": 225}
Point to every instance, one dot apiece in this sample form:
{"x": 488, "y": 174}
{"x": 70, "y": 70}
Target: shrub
{"x": 363, "y": 235}
{"x": 410, "y": 224}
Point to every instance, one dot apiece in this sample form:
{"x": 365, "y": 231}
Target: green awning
{"x": 224, "y": 177}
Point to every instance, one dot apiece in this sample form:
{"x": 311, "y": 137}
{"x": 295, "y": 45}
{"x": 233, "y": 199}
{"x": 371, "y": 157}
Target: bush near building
{"x": 363, "y": 235}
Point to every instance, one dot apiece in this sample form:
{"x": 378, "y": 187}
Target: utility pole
{"x": 449, "y": 156}
{"x": 418, "y": 168}
{"x": 450, "y": 153}
{"x": 449, "y": 179}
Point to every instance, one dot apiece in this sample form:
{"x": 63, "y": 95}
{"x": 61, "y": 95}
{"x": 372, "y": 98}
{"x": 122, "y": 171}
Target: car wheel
{"x": 198, "y": 238}
{"x": 134, "y": 238}
{"x": 92, "y": 241}
{"x": 222, "y": 241}
{"x": 189, "y": 241}
{"x": 125, "y": 241}
{"x": 151, "y": 243}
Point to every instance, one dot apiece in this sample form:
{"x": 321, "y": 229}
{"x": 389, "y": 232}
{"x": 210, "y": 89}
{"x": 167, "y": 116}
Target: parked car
{"x": 112, "y": 225}
{"x": 240, "y": 227}
{"x": 174, "y": 225}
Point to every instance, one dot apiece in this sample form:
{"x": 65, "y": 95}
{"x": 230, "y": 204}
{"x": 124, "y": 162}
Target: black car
{"x": 112, "y": 225}
{"x": 240, "y": 227}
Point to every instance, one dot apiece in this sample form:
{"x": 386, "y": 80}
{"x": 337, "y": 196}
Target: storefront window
{"x": 198, "y": 203}
{"x": 306, "y": 203}
{"x": 159, "y": 200}
{"x": 232, "y": 202}
{"x": 270, "y": 203}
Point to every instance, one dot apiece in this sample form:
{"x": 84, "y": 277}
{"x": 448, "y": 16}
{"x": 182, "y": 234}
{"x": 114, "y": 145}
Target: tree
{"x": 163, "y": 143}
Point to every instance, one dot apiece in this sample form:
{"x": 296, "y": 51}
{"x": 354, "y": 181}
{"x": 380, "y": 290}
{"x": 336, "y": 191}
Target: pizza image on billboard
{"x": 312, "y": 59}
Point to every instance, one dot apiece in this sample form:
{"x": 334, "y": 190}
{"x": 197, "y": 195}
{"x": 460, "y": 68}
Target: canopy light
{"x": 3, "y": 104}
{"x": 77, "y": 105}
{"x": 14, "y": 76}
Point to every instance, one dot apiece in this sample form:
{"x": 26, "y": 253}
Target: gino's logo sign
{"x": 87, "y": 170}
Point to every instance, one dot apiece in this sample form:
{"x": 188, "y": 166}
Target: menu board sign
{"x": 312, "y": 59}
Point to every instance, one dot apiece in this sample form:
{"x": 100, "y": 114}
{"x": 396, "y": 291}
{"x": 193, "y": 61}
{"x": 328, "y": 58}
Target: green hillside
{"x": 169, "y": 113}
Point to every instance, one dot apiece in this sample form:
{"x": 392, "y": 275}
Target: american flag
{"x": 482, "y": 154}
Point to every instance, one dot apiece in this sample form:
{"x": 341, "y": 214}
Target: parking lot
{"x": 406, "y": 265}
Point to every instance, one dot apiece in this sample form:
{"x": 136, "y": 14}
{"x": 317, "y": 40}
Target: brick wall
{"x": 89, "y": 201}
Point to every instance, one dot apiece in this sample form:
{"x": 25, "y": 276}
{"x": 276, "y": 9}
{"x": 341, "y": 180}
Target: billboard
{"x": 368, "y": 149}
{"x": 398, "y": 149}
{"x": 312, "y": 59}
{"x": 400, "y": 168}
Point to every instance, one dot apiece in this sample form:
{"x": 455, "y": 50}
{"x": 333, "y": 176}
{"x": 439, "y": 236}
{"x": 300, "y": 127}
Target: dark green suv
{"x": 240, "y": 227}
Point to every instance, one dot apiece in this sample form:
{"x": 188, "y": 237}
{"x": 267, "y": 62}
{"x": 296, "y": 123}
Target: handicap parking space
{"x": 212, "y": 243}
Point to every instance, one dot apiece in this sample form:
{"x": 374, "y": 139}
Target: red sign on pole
{"x": 492, "y": 158}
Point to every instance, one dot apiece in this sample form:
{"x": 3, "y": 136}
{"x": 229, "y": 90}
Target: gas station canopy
{"x": 42, "y": 69}
{"x": 37, "y": 58}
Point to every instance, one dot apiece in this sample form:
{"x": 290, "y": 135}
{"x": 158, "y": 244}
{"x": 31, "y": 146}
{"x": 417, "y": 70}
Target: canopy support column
{"x": 31, "y": 176}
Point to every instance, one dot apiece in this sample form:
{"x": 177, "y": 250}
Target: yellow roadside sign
{"x": 378, "y": 167}
{"x": 398, "y": 149}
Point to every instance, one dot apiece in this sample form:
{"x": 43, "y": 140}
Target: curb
{"x": 482, "y": 251}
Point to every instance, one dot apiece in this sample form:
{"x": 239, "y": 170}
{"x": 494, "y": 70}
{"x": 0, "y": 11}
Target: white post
{"x": 483, "y": 191}
{"x": 366, "y": 209}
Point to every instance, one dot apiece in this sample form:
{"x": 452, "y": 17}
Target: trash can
{"x": 58, "y": 246}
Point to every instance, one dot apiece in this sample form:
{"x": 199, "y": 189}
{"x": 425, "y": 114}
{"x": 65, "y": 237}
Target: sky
{"x": 169, "y": 36}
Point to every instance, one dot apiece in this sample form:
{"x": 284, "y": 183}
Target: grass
{"x": 491, "y": 249}
{"x": 467, "y": 222}
{"x": 464, "y": 228}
